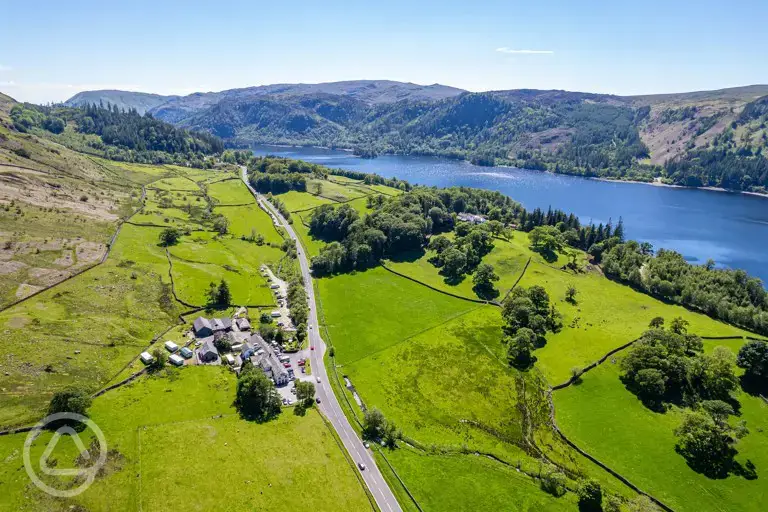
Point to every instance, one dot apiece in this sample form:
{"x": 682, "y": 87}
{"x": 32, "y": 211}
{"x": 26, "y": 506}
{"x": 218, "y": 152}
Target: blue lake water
{"x": 730, "y": 228}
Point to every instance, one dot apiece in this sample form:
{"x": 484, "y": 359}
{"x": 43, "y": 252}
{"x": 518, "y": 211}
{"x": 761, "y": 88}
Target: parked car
{"x": 302, "y": 362}
{"x": 286, "y": 365}
{"x": 366, "y": 444}
{"x": 317, "y": 399}
{"x": 361, "y": 466}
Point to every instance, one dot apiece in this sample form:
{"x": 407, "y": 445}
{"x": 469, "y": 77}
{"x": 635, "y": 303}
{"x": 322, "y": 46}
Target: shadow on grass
{"x": 408, "y": 256}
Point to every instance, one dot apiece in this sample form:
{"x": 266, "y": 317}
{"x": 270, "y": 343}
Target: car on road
{"x": 317, "y": 399}
{"x": 361, "y": 466}
{"x": 366, "y": 444}
{"x": 312, "y": 347}
{"x": 318, "y": 379}
{"x": 286, "y": 365}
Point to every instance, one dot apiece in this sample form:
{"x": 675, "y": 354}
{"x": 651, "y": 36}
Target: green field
{"x": 608, "y": 421}
{"x": 298, "y": 201}
{"x": 471, "y": 483}
{"x": 508, "y": 260}
{"x": 173, "y": 436}
{"x": 201, "y": 259}
{"x": 176, "y": 183}
{"x": 606, "y": 315}
{"x": 335, "y": 191}
{"x": 369, "y": 327}
{"x": 243, "y": 220}
{"x": 231, "y": 191}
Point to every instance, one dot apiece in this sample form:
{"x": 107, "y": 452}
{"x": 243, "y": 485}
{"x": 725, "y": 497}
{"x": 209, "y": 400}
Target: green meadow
{"x": 175, "y": 183}
{"x": 232, "y": 191}
{"x": 168, "y": 434}
{"x": 471, "y": 482}
{"x": 204, "y": 259}
{"x": 507, "y": 257}
{"x": 608, "y": 421}
{"x": 605, "y": 316}
{"x": 369, "y": 327}
{"x": 244, "y": 220}
{"x": 299, "y": 201}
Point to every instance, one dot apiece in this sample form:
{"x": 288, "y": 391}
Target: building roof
{"x": 243, "y": 324}
{"x": 221, "y": 324}
{"x": 208, "y": 347}
{"x": 201, "y": 323}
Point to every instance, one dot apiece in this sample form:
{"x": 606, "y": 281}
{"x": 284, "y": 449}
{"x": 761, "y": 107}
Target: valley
{"x": 394, "y": 329}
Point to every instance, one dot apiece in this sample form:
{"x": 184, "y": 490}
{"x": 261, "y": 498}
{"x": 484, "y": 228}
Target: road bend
{"x": 329, "y": 404}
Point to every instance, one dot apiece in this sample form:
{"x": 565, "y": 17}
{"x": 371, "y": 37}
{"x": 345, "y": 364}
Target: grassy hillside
{"x": 168, "y": 435}
{"x": 437, "y": 368}
{"x": 610, "y": 422}
{"x": 87, "y": 329}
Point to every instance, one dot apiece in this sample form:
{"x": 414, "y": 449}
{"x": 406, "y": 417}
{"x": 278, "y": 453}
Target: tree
{"x": 169, "y": 236}
{"x": 221, "y": 224}
{"x": 305, "y": 390}
{"x": 74, "y": 400}
{"x": 374, "y": 424}
{"x": 483, "y": 280}
{"x": 590, "y": 496}
{"x": 679, "y": 325}
{"x": 520, "y": 348}
{"x": 753, "y": 358}
{"x": 547, "y": 240}
{"x": 570, "y": 294}
{"x": 219, "y": 295}
{"x": 706, "y": 441}
{"x": 256, "y": 397}
{"x": 656, "y": 323}
{"x": 454, "y": 262}
{"x": 223, "y": 344}
{"x": 159, "y": 358}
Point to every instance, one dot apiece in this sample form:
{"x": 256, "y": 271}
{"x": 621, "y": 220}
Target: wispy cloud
{"x": 512, "y": 51}
{"x": 5, "y": 68}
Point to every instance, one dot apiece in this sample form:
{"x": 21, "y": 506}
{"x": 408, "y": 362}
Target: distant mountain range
{"x": 705, "y": 138}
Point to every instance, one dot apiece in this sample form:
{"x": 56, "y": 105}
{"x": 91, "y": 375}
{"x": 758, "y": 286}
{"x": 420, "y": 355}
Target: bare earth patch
{"x": 25, "y": 290}
{"x": 47, "y": 276}
{"x": 22, "y": 186}
{"x": 17, "y": 322}
{"x": 9, "y": 267}
{"x": 89, "y": 253}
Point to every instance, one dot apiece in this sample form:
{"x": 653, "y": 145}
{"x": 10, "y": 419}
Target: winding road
{"x": 329, "y": 405}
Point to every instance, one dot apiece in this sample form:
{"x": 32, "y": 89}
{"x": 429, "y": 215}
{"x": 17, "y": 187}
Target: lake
{"x": 730, "y": 228}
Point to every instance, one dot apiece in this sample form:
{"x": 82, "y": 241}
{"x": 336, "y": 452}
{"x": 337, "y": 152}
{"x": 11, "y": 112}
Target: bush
{"x": 590, "y": 496}
{"x": 553, "y": 481}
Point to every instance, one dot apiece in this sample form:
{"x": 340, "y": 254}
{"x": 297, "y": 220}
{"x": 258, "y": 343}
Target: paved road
{"x": 329, "y": 405}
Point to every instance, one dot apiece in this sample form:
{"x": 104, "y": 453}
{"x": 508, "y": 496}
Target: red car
{"x": 312, "y": 347}
{"x": 301, "y": 362}
{"x": 287, "y": 365}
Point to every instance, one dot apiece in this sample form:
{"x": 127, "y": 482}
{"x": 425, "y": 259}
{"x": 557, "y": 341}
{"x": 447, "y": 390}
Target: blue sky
{"x": 51, "y": 50}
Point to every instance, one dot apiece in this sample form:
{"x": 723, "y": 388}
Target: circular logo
{"x": 84, "y": 475}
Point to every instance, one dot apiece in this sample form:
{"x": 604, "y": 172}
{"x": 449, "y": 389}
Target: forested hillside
{"x": 116, "y": 134}
{"x": 709, "y": 138}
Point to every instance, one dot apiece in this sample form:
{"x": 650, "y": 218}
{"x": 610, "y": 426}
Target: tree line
{"x": 122, "y": 135}
{"x": 729, "y": 295}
